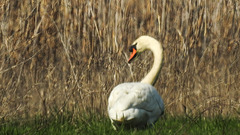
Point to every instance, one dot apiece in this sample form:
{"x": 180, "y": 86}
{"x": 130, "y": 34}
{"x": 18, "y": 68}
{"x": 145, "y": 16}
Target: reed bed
{"x": 66, "y": 56}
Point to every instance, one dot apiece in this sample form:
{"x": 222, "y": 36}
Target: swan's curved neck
{"x": 157, "y": 50}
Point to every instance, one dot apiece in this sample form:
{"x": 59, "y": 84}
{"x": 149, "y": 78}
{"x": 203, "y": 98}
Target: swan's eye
{"x": 133, "y": 47}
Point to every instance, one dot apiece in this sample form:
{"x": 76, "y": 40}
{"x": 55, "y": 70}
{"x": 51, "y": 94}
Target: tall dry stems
{"x": 59, "y": 56}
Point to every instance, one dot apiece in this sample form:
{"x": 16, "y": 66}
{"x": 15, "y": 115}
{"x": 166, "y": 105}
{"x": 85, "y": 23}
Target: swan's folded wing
{"x": 134, "y": 96}
{"x": 147, "y": 98}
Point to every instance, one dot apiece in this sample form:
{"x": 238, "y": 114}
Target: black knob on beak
{"x": 133, "y": 46}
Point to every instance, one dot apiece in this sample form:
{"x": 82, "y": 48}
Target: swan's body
{"x": 138, "y": 104}
{"x": 135, "y": 104}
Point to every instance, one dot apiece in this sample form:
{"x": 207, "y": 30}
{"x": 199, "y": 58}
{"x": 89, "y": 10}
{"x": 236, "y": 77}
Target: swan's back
{"x": 136, "y": 104}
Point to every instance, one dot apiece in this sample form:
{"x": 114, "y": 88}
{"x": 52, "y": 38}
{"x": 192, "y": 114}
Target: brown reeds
{"x": 60, "y": 56}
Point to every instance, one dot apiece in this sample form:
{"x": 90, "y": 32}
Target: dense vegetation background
{"x": 66, "y": 56}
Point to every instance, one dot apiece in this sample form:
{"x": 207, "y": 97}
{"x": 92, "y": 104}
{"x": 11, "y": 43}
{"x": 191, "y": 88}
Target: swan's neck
{"x": 157, "y": 50}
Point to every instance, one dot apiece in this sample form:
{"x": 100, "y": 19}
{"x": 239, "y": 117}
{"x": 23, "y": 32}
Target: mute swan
{"x": 138, "y": 104}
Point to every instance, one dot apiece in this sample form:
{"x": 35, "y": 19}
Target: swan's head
{"x": 140, "y": 45}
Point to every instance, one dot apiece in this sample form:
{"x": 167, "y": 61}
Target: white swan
{"x": 138, "y": 104}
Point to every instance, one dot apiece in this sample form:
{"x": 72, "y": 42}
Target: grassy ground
{"x": 101, "y": 125}
{"x": 69, "y": 55}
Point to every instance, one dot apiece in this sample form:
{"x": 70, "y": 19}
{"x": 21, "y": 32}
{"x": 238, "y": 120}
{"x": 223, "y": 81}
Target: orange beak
{"x": 133, "y": 55}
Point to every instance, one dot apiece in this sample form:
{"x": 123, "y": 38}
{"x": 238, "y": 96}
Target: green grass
{"x": 100, "y": 125}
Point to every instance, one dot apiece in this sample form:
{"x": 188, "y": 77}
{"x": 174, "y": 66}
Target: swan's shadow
{"x": 129, "y": 127}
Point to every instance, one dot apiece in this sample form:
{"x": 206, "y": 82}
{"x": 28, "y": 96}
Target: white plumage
{"x": 138, "y": 104}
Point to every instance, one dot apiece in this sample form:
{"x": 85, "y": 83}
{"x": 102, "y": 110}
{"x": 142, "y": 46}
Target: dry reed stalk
{"x": 59, "y": 56}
